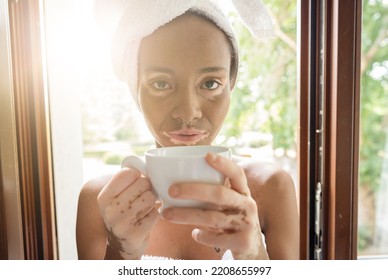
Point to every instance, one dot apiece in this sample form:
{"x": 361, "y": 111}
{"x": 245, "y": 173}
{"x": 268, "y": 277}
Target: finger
{"x": 214, "y": 239}
{"x": 130, "y": 194}
{"x": 127, "y": 225}
{"x": 228, "y": 221}
{"x": 140, "y": 231}
{"x": 220, "y": 195}
{"x": 231, "y": 170}
{"x": 119, "y": 182}
{"x": 227, "y": 183}
{"x": 141, "y": 206}
{"x": 129, "y": 212}
{"x": 145, "y": 224}
{"x": 234, "y": 241}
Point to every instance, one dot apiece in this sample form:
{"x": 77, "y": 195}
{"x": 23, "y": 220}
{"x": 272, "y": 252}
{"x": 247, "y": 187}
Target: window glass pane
{"x": 261, "y": 124}
{"x": 373, "y": 182}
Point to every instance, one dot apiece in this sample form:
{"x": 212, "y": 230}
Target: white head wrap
{"x": 140, "y": 18}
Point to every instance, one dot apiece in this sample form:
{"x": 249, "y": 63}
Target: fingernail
{"x": 174, "y": 191}
{"x": 212, "y": 157}
{"x": 167, "y": 214}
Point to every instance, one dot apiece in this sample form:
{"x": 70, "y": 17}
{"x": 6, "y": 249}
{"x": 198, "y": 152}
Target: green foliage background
{"x": 264, "y": 98}
{"x": 374, "y": 88}
{"x": 374, "y": 117}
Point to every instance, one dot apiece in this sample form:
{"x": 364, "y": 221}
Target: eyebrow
{"x": 160, "y": 69}
{"x": 212, "y": 69}
{"x": 201, "y": 71}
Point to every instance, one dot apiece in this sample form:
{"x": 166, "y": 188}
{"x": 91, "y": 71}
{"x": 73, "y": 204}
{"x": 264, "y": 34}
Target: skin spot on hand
{"x": 114, "y": 242}
{"x": 230, "y": 231}
{"x": 234, "y": 224}
{"x": 230, "y": 211}
{"x": 245, "y": 219}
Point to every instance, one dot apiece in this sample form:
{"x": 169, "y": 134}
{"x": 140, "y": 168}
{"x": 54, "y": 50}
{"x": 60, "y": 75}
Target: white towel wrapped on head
{"x": 140, "y": 18}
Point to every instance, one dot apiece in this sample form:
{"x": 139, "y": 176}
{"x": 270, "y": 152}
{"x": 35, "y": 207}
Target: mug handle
{"x": 135, "y": 162}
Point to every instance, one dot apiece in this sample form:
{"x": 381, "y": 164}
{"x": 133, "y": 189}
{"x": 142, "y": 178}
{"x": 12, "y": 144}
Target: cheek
{"x": 152, "y": 113}
{"x": 223, "y": 105}
{"x": 218, "y": 110}
{"x": 151, "y": 116}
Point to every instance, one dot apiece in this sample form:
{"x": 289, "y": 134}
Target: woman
{"x": 184, "y": 73}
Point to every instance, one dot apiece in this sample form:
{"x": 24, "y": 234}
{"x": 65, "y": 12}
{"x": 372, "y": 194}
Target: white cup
{"x": 166, "y": 166}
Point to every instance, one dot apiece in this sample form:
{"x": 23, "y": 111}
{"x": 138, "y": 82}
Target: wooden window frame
{"x": 11, "y": 222}
{"x": 342, "y": 169}
{"x": 341, "y": 78}
{"x": 32, "y": 166}
{"x": 303, "y": 126}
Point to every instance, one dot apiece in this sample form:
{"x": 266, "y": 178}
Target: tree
{"x": 374, "y": 114}
{"x": 264, "y": 98}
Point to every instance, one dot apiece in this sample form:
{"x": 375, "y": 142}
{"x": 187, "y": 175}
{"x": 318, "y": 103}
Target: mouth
{"x": 186, "y": 136}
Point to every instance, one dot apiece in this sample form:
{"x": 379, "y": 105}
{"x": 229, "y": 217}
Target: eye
{"x": 211, "y": 85}
{"x": 161, "y": 85}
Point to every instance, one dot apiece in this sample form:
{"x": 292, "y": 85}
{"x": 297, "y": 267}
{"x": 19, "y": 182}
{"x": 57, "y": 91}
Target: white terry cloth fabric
{"x": 227, "y": 256}
{"x": 140, "y": 18}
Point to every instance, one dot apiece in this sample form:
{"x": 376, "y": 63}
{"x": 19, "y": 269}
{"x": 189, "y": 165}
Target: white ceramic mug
{"x": 169, "y": 165}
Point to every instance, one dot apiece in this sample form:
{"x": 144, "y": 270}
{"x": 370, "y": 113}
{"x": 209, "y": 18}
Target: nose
{"x": 188, "y": 107}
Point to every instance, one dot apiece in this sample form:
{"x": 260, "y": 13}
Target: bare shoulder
{"x": 90, "y": 230}
{"x": 93, "y": 187}
{"x": 267, "y": 177}
{"x": 269, "y": 185}
{"x": 274, "y": 192}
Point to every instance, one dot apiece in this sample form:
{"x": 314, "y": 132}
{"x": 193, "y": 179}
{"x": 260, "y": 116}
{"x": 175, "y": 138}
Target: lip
{"x": 186, "y": 136}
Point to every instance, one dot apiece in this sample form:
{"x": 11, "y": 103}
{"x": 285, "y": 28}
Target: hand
{"x": 233, "y": 222}
{"x": 127, "y": 206}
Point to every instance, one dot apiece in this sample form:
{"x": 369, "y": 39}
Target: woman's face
{"x": 184, "y": 81}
